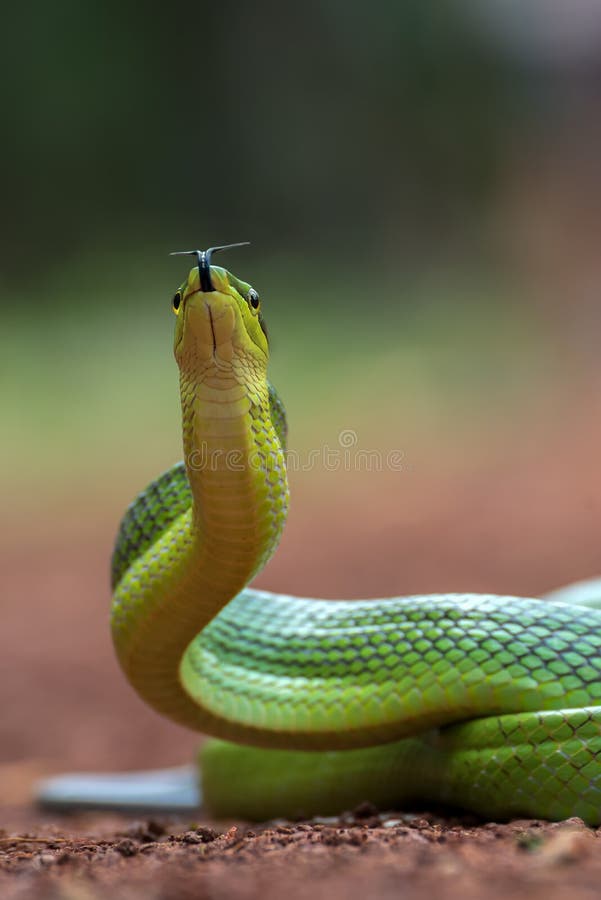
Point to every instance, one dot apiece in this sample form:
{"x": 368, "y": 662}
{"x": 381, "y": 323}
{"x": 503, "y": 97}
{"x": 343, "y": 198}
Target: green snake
{"x": 483, "y": 702}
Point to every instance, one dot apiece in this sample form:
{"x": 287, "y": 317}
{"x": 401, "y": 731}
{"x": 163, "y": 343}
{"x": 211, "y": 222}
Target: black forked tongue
{"x": 204, "y": 262}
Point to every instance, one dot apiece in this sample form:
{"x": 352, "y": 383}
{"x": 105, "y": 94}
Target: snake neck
{"x": 236, "y": 471}
{"x": 237, "y": 474}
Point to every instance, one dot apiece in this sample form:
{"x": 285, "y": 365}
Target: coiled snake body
{"x": 484, "y": 702}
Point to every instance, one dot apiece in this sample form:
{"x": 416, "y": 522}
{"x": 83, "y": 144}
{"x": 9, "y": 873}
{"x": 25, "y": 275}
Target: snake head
{"x": 222, "y": 325}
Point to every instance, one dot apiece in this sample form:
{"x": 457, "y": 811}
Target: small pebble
{"x": 126, "y": 847}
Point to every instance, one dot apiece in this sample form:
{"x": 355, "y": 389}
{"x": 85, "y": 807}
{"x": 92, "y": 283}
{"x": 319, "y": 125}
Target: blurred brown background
{"x": 421, "y": 187}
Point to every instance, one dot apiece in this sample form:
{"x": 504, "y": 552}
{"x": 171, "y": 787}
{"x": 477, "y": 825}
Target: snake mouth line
{"x": 212, "y": 324}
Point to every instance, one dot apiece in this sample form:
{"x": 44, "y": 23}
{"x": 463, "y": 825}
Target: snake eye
{"x": 253, "y": 299}
{"x": 176, "y": 302}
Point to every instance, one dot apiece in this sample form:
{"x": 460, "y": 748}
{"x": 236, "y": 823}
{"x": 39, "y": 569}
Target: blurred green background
{"x": 420, "y": 185}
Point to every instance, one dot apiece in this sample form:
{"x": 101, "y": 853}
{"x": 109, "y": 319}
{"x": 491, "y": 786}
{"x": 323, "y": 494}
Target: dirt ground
{"x": 518, "y": 521}
{"x": 358, "y": 856}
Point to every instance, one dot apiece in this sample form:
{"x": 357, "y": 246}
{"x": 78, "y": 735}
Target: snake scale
{"x": 484, "y": 702}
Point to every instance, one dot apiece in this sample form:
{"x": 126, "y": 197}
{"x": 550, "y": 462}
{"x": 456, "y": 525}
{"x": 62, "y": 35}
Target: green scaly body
{"x": 480, "y": 701}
